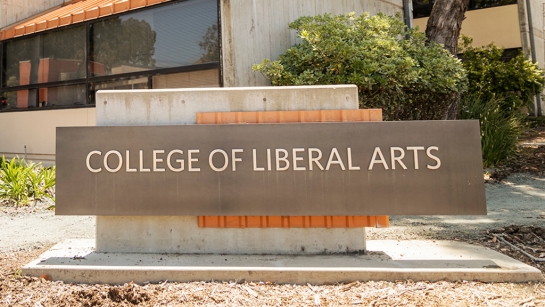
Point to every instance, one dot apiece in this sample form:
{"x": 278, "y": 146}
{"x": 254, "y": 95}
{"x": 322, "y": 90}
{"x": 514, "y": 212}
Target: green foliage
{"x": 21, "y": 182}
{"x": 517, "y": 80}
{"x": 500, "y": 130}
{"x": 500, "y": 89}
{"x": 394, "y": 68}
{"x": 13, "y": 183}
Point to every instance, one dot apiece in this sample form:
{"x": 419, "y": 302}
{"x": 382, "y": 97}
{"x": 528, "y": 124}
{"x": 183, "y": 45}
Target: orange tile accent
{"x": 291, "y": 221}
{"x": 42, "y": 25}
{"x": 8, "y": 34}
{"x": 289, "y": 116}
{"x": 106, "y": 10}
{"x": 65, "y": 20}
{"x": 122, "y": 6}
{"x": 137, "y": 3}
{"x": 91, "y": 13}
{"x": 53, "y": 23}
{"x": 31, "y": 28}
{"x": 80, "y": 11}
{"x": 78, "y": 17}
{"x": 19, "y": 31}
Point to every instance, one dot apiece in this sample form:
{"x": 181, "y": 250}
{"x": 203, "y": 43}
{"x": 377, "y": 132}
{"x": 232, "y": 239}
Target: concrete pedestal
{"x": 77, "y": 261}
{"x": 181, "y": 234}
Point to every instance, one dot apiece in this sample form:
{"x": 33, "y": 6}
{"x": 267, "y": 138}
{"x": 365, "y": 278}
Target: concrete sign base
{"x": 385, "y": 260}
{"x": 181, "y": 234}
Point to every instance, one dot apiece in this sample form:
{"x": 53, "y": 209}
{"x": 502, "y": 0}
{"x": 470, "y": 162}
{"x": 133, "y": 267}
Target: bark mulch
{"x": 17, "y": 290}
{"x": 530, "y": 159}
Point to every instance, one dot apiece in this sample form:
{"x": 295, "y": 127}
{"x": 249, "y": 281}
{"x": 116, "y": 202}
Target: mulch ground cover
{"x": 530, "y": 159}
{"x": 17, "y": 290}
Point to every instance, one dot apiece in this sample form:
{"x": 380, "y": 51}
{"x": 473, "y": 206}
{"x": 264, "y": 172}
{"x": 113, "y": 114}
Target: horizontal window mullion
{"x": 48, "y": 108}
{"x": 43, "y": 85}
{"x": 147, "y": 73}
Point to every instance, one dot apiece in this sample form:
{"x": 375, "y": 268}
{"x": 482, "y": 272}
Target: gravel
{"x": 518, "y": 200}
{"x": 30, "y": 228}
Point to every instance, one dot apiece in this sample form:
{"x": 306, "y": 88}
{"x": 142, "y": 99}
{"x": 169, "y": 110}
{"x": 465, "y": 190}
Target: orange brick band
{"x": 291, "y": 221}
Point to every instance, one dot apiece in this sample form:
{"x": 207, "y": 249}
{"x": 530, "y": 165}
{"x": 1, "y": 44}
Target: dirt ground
{"x": 525, "y": 240}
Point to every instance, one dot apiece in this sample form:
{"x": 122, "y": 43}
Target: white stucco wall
{"x": 36, "y": 130}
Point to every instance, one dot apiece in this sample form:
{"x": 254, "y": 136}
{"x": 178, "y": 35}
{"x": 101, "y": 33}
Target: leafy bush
{"x": 500, "y": 130}
{"x": 22, "y": 182}
{"x": 517, "y": 80}
{"x": 499, "y": 90}
{"x": 394, "y": 68}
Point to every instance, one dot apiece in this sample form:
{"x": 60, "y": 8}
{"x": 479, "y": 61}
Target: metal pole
{"x": 25, "y": 152}
{"x": 408, "y": 13}
{"x": 533, "y": 49}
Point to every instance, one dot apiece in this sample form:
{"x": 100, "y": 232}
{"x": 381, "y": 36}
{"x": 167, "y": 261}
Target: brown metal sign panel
{"x": 364, "y": 168}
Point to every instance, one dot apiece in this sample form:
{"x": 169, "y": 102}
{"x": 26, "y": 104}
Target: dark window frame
{"x": 89, "y": 79}
{"x": 1, "y": 65}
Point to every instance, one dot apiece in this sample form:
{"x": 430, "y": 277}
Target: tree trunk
{"x": 444, "y": 27}
{"x": 445, "y": 23}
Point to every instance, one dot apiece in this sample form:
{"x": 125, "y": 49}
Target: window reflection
{"x": 50, "y": 57}
{"x": 8, "y": 100}
{"x": 72, "y": 95}
{"x": 200, "y": 78}
{"x": 129, "y": 84}
{"x": 164, "y": 37}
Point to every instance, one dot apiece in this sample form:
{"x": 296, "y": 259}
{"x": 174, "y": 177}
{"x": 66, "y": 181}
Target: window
{"x": 159, "y": 38}
{"x": 55, "y": 56}
{"x": 170, "y": 45}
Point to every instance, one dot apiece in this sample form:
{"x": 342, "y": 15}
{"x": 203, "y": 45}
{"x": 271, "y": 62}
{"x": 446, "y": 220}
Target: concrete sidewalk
{"x": 75, "y": 261}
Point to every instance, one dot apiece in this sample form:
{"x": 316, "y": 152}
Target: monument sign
{"x": 360, "y": 168}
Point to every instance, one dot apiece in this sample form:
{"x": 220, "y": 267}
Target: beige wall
{"x": 12, "y": 11}
{"x": 36, "y": 130}
{"x": 253, "y": 30}
{"x": 499, "y": 25}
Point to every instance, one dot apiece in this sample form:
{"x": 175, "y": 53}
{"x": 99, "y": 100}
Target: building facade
{"x": 55, "y": 54}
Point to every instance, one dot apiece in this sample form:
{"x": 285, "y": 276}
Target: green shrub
{"x": 517, "y": 80}
{"x": 500, "y": 130}
{"x": 22, "y": 182}
{"x": 394, "y": 68}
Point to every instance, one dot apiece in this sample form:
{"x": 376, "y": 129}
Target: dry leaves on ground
{"x": 530, "y": 159}
{"x": 524, "y": 243}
